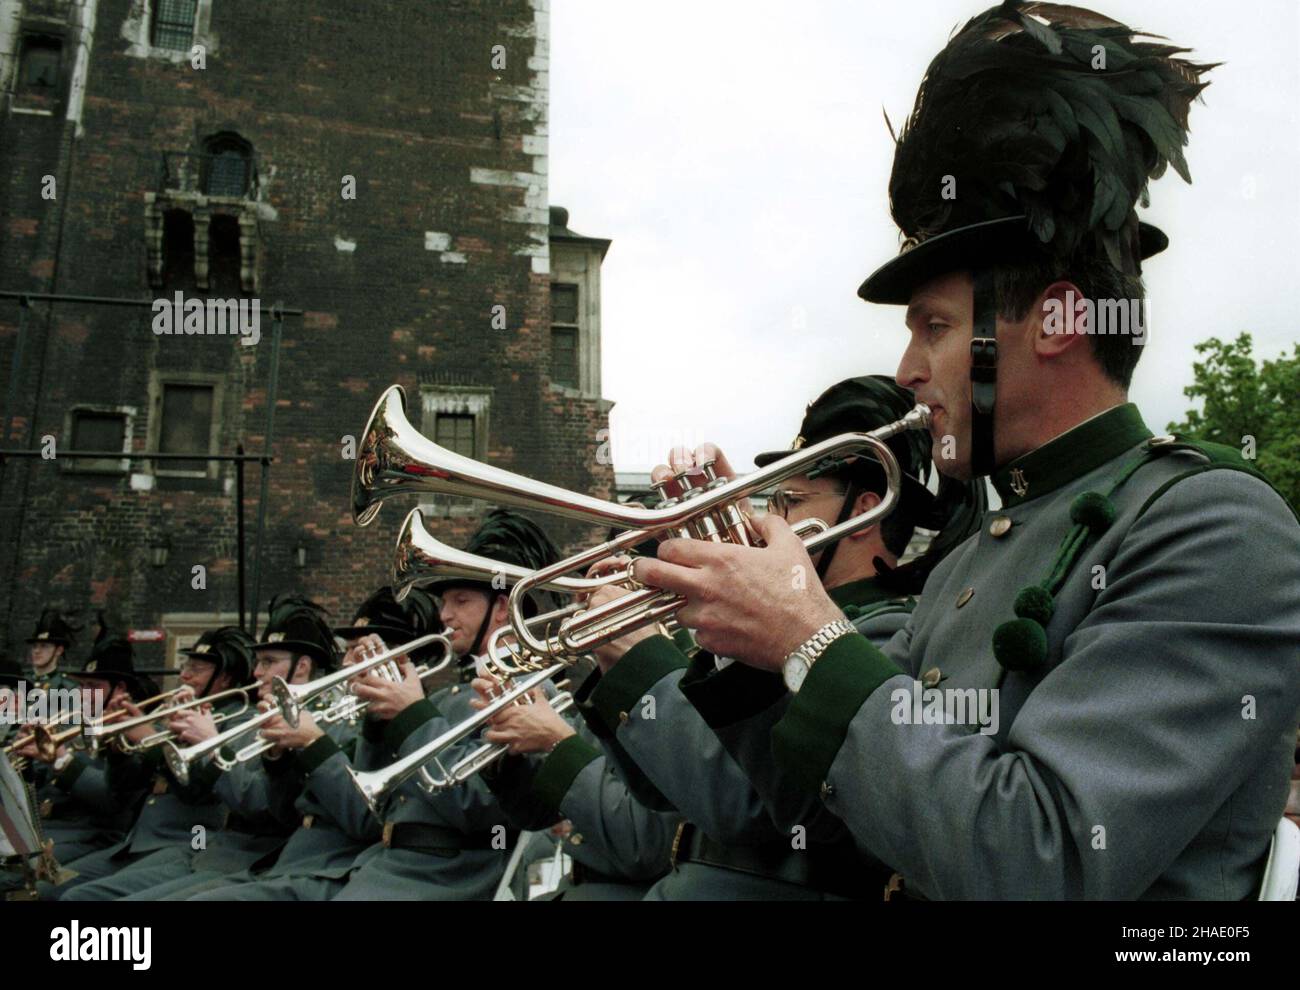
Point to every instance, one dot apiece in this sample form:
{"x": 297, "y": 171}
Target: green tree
{"x": 1241, "y": 400}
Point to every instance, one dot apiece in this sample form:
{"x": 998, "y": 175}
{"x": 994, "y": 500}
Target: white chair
{"x": 1282, "y": 871}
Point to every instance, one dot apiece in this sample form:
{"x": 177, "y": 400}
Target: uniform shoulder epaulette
{"x": 1219, "y": 457}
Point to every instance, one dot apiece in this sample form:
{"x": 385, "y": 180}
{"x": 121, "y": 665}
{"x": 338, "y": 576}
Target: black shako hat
{"x": 508, "y": 537}
{"x": 229, "y": 648}
{"x": 1037, "y": 127}
{"x": 298, "y": 625}
{"x": 1034, "y": 136}
{"x": 393, "y": 621}
{"x": 52, "y": 628}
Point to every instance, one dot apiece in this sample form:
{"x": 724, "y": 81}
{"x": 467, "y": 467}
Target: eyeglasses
{"x": 782, "y": 500}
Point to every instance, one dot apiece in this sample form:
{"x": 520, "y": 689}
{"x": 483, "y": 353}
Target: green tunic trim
{"x": 639, "y": 669}
{"x": 559, "y": 770}
{"x": 316, "y": 754}
{"x": 407, "y": 721}
{"x": 810, "y": 735}
{"x": 733, "y": 694}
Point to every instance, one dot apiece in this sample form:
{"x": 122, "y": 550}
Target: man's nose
{"x": 912, "y": 369}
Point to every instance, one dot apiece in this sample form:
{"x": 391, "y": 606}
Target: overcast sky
{"x": 737, "y": 156}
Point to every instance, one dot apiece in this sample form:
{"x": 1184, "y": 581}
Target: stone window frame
{"x": 474, "y": 400}
{"x": 82, "y": 465}
{"x": 39, "y": 30}
{"x": 580, "y": 266}
{"x": 158, "y": 380}
{"x": 138, "y": 30}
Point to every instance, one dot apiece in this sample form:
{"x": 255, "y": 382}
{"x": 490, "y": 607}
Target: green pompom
{"x": 1094, "y": 510}
{"x": 1036, "y": 603}
{"x": 1020, "y": 644}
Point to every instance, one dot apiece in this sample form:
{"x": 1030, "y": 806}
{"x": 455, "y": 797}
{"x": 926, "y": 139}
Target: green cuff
{"x": 560, "y": 768}
{"x": 733, "y": 694}
{"x": 69, "y": 774}
{"x": 629, "y": 680}
{"x": 407, "y": 721}
{"x": 316, "y": 754}
{"x": 806, "y": 741}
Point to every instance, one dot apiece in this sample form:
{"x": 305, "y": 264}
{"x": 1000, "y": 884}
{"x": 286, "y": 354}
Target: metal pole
{"x": 239, "y": 528}
{"x": 269, "y": 447}
{"x": 16, "y": 370}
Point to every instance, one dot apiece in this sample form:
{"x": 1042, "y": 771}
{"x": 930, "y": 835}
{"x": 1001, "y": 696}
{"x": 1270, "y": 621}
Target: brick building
{"x": 379, "y": 167}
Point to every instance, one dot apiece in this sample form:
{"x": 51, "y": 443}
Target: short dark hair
{"x": 1018, "y": 283}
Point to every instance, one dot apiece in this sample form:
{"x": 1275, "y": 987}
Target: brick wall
{"x": 402, "y": 96}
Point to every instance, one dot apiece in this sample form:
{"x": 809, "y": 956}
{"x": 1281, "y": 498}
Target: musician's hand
{"x": 755, "y": 604}
{"x": 192, "y": 725}
{"x": 533, "y": 728}
{"x": 141, "y": 731}
{"x": 286, "y": 736}
{"x": 681, "y": 459}
{"x": 387, "y": 699}
{"x": 612, "y": 652}
{"x": 366, "y": 646}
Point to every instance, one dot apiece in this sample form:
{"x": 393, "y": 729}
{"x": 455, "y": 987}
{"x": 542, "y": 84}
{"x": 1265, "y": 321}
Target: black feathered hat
{"x": 298, "y": 625}
{"x": 229, "y": 648}
{"x": 508, "y": 537}
{"x": 52, "y": 628}
{"x": 395, "y": 622}
{"x": 1034, "y": 135}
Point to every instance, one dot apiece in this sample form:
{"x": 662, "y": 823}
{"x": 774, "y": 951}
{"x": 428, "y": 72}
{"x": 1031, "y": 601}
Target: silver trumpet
{"x": 292, "y": 698}
{"x": 396, "y": 459}
{"x": 479, "y": 759}
{"x": 376, "y": 786}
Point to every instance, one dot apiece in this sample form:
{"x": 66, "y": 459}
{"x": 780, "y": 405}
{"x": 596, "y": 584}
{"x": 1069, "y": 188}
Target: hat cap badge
{"x": 202, "y": 648}
{"x": 42, "y": 635}
{"x": 363, "y": 620}
{"x": 275, "y": 637}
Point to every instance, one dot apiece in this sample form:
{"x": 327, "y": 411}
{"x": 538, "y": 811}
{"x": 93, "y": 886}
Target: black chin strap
{"x": 476, "y": 648}
{"x": 983, "y": 374}
{"x": 846, "y": 509}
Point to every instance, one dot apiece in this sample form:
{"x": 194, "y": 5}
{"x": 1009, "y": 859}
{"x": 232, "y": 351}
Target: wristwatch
{"x": 798, "y": 663}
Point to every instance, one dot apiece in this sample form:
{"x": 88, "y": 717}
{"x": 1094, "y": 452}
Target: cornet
{"x": 98, "y": 731}
{"x": 293, "y": 697}
{"x": 395, "y": 459}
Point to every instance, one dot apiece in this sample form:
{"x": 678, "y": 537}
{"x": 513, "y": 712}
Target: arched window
{"x": 228, "y": 165}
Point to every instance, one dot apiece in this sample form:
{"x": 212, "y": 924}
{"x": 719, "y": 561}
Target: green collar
{"x": 1071, "y": 455}
{"x": 863, "y": 592}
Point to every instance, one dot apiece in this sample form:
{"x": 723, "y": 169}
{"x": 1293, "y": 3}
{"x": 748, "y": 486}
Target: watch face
{"x": 796, "y": 669}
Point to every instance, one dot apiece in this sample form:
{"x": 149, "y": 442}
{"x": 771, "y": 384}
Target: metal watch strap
{"x": 810, "y": 651}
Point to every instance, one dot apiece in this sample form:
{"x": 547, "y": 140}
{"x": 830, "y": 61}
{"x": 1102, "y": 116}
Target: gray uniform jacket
{"x": 466, "y": 873}
{"x": 1148, "y": 755}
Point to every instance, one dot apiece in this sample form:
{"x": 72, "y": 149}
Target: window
{"x": 227, "y": 160}
{"x": 564, "y": 356}
{"x": 185, "y": 427}
{"x": 564, "y": 335}
{"x": 455, "y": 431}
{"x": 93, "y": 429}
{"x": 40, "y": 65}
{"x": 564, "y": 304}
{"x": 173, "y": 24}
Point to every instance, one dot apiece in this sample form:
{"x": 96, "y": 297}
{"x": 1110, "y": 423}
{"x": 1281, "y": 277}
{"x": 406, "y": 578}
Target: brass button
{"x": 622, "y": 718}
{"x": 965, "y": 596}
{"x": 456, "y": 689}
{"x": 151, "y": 801}
{"x": 576, "y": 838}
{"x": 931, "y": 677}
{"x": 826, "y": 789}
{"x": 1000, "y": 526}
